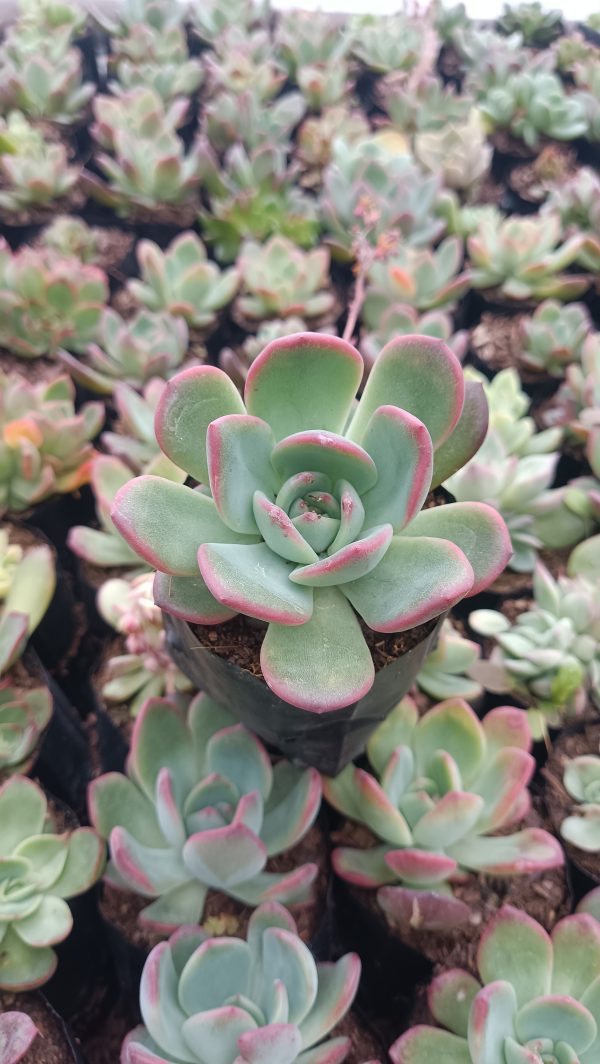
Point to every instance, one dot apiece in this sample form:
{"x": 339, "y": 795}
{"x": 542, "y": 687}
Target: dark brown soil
{"x": 51, "y": 1046}
{"x": 497, "y": 343}
{"x": 506, "y": 144}
{"x": 180, "y": 215}
{"x": 365, "y": 1046}
{"x": 511, "y": 583}
{"x": 224, "y": 915}
{"x": 35, "y": 370}
{"x": 112, "y": 246}
{"x": 70, "y": 204}
{"x": 532, "y": 180}
{"x": 96, "y": 575}
{"x": 559, "y": 804}
{"x": 544, "y": 896}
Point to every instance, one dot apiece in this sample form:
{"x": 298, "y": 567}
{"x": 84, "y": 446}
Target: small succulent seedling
{"x": 279, "y": 280}
{"x": 439, "y": 791}
{"x": 27, "y": 584}
{"x": 239, "y": 1002}
{"x": 536, "y": 1001}
{"x": 312, "y": 516}
{"x": 34, "y": 172}
{"x": 44, "y": 86}
{"x": 18, "y": 1032}
{"x": 425, "y": 280}
{"x": 445, "y": 672}
{"x": 581, "y": 779}
{"x": 157, "y": 59}
{"x": 394, "y": 42}
{"x": 537, "y": 26}
{"x": 40, "y": 870}
{"x": 423, "y": 107}
{"x": 400, "y": 319}
{"x": 242, "y": 118}
{"x": 201, "y": 808}
{"x": 458, "y": 151}
{"x": 533, "y": 103}
{"x": 554, "y": 336}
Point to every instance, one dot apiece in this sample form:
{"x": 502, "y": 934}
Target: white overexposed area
{"x": 483, "y": 9}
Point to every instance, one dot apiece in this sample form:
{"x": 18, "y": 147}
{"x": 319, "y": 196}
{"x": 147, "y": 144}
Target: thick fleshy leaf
{"x": 450, "y": 998}
{"x": 23, "y": 810}
{"x": 279, "y": 533}
{"x": 17, "y": 1033}
{"x": 147, "y": 870}
{"x": 453, "y": 727}
{"x": 236, "y": 754}
{"x": 284, "y": 956}
{"x": 213, "y": 1036}
{"x": 224, "y": 857}
{"x": 401, "y": 448}
{"x": 291, "y": 807}
{"x": 348, "y": 563}
{"x": 304, "y": 381}
{"x": 255, "y": 581}
{"x": 352, "y": 515}
{"x": 318, "y": 530}
{"x": 466, "y": 437}
{"x": 289, "y": 888}
{"x": 451, "y": 819}
{"x": 325, "y": 452}
{"x": 527, "y": 851}
{"x": 416, "y": 580}
{"x": 325, "y": 663}
{"x": 166, "y": 523}
{"x": 333, "y": 1052}
{"x": 364, "y": 868}
{"x": 24, "y": 967}
{"x": 515, "y": 948}
{"x": 188, "y": 404}
{"x": 32, "y": 586}
{"x": 114, "y": 799}
{"x": 505, "y": 778}
{"x": 278, "y": 1043}
{"x": 396, "y": 730}
{"x": 576, "y": 944}
{"x": 583, "y": 830}
{"x": 419, "y": 374}
{"x": 238, "y": 449}
{"x": 189, "y": 598}
{"x": 420, "y": 866}
{"x": 337, "y": 988}
{"x": 159, "y": 1002}
{"x": 559, "y": 1018}
{"x": 476, "y": 528}
{"x": 491, "y": 1021}
{"x": 429, "y": 1045}
{"x": 50, "y": 923}
{"x": 161, "y": 740}
{"x": 507, "y": 726}
{"x": 217, "y": 971}
{"x": 86, "y": 855}
{"x": 180, "y": 905}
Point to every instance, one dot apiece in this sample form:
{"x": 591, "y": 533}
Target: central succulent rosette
{"x": 309, "y": 507}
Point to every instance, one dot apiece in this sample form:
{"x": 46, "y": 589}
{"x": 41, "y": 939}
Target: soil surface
{"x": 498, "y": 344}
{"x": 512, "y": 583}
{"x": 35, "y": 370}
{"x": 51, "y": 1046}
{"x": 584, "y": 739}
{"x": 70, "y": 204}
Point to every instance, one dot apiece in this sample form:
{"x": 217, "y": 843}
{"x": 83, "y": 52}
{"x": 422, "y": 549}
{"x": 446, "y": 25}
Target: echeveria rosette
{"x": 38, "y": 870}
{"x": 314, "y": 509}
{"x": 581, "y": 779}
{"x": 202, "y": 808}
{"x": 262, "y": 1000}
{"x": 17, "y": 1034}
{"x": 440, "y": 788}
{"x": 538, "y": 1001}
{"x": 24, "y": 716}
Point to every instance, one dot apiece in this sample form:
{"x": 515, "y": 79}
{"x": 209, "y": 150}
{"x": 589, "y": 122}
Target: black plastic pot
{"x": 327, "y": 741}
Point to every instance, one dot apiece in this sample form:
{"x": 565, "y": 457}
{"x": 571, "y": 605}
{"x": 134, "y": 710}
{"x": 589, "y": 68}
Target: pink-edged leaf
{"x": 17, "y": 1034}
{"x": 352, "y": 515}
{"x": 333, "y": 1052}
{"x": 224, "y": 857}
{"x": 466, "y": 437}
{"x": 451, "y": 727}
{"x": 165, "y": 523}
{"x": 491, "y": 1021}
{"x": 527, "y": 851}
{"x": 506, "y": 776}
{"x": 279, "y": 1043}
{"x": 507, "y": 726}
{"x": 325, "y": 452}
{"x": 214, "y": 1035}
{"x": 159, "y": 1002}
{"x": 338, "y": 984}
{"x": 325, "y": 663}
{"x": 238, "y": 448}
{"x": 419, "y": 374}
{"x": 147, "y": 870}
{"x": 167, "y": 811}
{"x": 576, "y": 945}
{"x": 477, "y": 529}
{"x": 189, "y": 598}
{"x": 14, "y": 629}
{"x": 349, "y": 563}
{"x": 429, "y": 1045}
{"x": 133, "y": 1051}
{"x": 420, "y": 866}
{"x": 291, "y": 808}
{"x": 217, "y": 971}
{"x": 450, "y": 820}
{"x": 559, "y": 1018}
{"x": 412, "y": 908}
{"x": 364, "y": 868}
{"x": 450, "y": 997}
{"x": 377, "y": 811}
{"x": 289, "y": 888}
{"x": 255, "y": 581}
{"x": 515, "y": 948}
{"x": 416, "y": 580}
{"x": 190, "y": 401}
{"x": 401, "y": 447}
{"x": 279, "y": 533}
{"x": 304, "y": 381}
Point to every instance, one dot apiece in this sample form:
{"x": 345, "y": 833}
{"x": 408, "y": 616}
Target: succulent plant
{"x": 156, "y": 59}
{"x": 554, "y": 336}
{"x": 211, "y": 18}
{"x": 394, "y": 189}
{"x": 71, "y": 238}
{"x": 40, "y": 17}
{"x": 587, "y": 95}
{"x": 523, "y": 258}
{"x": 402, "y": 320}
{"x": 421, "y": 108}
{"x": 458, "y": 152}
{"x": 439, "y": 788}
{"x": 133, "y": 351}
{"x": 104, "y": 547}
{"x": 532, "y": 104}
{"x": 571, "y": 50}
{"x": 146, "y": 164}
{"x": 536, "y": 1001}
{"x": 489, "y": 58}
{"x": 41, "y": 870}
{"x": 18, "y": 1032}
{"x": 134, "y": 440}
{"x": 577, "y": 404}
{"x": 253, "y": 197}
{"x": 550, "y": 656}
{"x": 159, "y": 15}
{"x": 236, "y": 363}
{"x": 445, "y": 671}
{"x": 182, "y": 282}
{"x": 280, "y": 280}
{"x": 314, "y": 46}
{"x": 464, "y": 220}
{"x": 47, "y": 301}
{"x": 45, "y": 444}
{"x": 394, "y": 42}
{"x": 24, "y": 717}
{"x": 33, "y": 172}
{"x": 448, "y": 20}
{"x": 43, "y": 86}
{"x": 423, "y": 279}
{"x": 27, "y": 584}
{"x": 538, "y": 26}
{"x": 276, "y": 1004}
{"x": 577, "y": 202}
{"x": 201, "y": 795}
{"x": 146, "y": 669}
{"x": 244, "y": 62}
{"x": 242, "y": 118}
{"x": 314, "y": 149}
{"x": 581, "y": 779}
{"x": 300, "y": 524}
